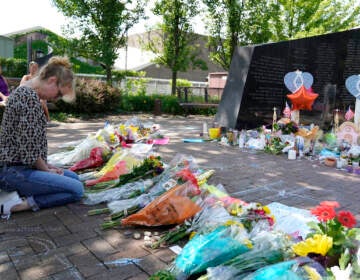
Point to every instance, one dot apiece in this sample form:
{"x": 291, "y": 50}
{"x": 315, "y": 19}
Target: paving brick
{"x": 87, "y": 264}
{"x": 99, "y": 247}
{"x": 118, "y": 273}
{"x": 13, "y": 242}
{"x": 25, "y": 262}
{"x": 151, "y": 264}
{"x": 89, "y": 225}
{"x": 56, "y": 228}
{"x": 4, "y": 257}
{"x": 165, "y": 255}
{"x": 74, "y": 238}
{"x": 45, "y": 268}
{"x": 129, "y": 248}
{"x": 141, "y": 276}
{"x": 67, "y": 217}
{"x": 8, "y": 271}
{"x": 71, "y": 273}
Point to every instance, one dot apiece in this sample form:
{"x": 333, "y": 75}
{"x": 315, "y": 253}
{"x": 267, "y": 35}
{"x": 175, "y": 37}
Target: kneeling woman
{"x": 23, "y": 143}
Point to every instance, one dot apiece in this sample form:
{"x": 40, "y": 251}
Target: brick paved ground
{"x": 64, "y": 243}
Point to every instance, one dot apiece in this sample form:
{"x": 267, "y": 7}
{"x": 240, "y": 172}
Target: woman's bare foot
{"x": 23, "y": 206}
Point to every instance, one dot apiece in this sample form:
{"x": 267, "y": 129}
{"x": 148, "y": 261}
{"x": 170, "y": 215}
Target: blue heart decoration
{"x": 352, "y": 84}
{"x": 294, "y": 80}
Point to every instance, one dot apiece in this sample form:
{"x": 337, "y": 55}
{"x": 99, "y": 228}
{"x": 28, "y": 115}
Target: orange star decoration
{"x": 302, "y": 99}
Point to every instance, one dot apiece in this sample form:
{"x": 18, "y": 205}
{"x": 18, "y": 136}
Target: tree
{"x": 175, "y": 45}
{"x": 300, "y": 18}
{"x": 245, "y": 22}
{"x": 233, "y": 22}
{"x": 103, "y": 25}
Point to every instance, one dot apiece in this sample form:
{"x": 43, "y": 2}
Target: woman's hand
{"x": 40, "y": 164}
{"x": 54, "y": 169}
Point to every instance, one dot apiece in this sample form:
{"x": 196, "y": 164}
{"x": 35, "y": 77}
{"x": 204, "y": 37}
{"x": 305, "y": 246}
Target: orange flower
{"x": 347, "y": 219}
{"x": 323, "y": 213}
{"x": 333, "y": 204}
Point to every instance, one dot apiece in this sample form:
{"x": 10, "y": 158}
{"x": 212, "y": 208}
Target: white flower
{"x": 341, "y": 274}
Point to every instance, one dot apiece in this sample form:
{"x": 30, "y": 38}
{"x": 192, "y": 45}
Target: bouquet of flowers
{"x": 333, "y": 240}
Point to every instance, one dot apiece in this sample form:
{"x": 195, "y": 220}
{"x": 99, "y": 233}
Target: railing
{"x": 197, "y": 95}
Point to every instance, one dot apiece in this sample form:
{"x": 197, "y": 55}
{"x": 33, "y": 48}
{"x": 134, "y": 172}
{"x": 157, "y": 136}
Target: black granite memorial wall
{"x": 255, "y": 83}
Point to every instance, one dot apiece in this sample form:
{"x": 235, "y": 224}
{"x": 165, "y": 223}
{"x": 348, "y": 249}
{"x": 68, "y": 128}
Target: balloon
{"x": 302, "y": 99}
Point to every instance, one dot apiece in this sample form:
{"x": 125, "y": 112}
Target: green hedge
{"x": 13, "y": 67}
{"x": 92, "y": 96}
{"x": 169, "y": 105}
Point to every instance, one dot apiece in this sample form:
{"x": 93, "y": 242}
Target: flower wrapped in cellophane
{"x": 129, "y": 190}
{"x": 295, "y": 269}
{"x": 81, "y": 151}
{"x": 269, "y": 247}
{"x": 249, "y": 213}
{"x": 206, "y": 220}
{"x": 211, "y": 249}
{"x": 173, "y": 207}
{"x": 98, "y": 156}
{"x": 179, "y": 171}
{"x": 121, "y": 162}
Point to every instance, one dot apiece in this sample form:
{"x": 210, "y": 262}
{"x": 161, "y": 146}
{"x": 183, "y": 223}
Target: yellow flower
{"x": 192, "y": 234}
{"x": 266, "y": 209}
{"x": 112, "y": 138}
{"x": 319, "y": 244}
{"x": 312, "y": 273}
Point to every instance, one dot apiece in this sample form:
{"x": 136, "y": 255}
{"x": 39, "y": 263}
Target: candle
{"x": 292, "y": 154}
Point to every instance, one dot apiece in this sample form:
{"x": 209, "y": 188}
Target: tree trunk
{"x": 173, "y": 84}
{"x": 108, "y": 75}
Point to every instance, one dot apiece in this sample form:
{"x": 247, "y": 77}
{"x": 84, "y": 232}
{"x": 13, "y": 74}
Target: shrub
{"x": 13, "y": 67}
{"x": 145, "y": 103}
{"x": 92, "y": 96}
{"x": 136, "y": 86}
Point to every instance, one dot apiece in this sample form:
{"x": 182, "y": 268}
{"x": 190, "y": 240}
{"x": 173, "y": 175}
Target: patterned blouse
{"x": 23, "y": 128}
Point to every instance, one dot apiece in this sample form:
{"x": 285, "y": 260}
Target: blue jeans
{"x": 42, "y": 189}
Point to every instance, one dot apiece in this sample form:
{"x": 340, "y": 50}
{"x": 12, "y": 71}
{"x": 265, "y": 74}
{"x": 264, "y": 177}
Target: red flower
{"x": 347, "y": 219}
{"x": 333, "y": 204}
{"x": 187, "y": 175}
{"x": 323, "y": 213}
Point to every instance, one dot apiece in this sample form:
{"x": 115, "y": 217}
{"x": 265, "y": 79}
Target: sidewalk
{"x": 64, "y": 243}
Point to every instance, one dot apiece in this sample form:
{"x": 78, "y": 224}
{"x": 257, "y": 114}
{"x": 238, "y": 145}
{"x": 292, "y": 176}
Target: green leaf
{"x": 344, "y": 259}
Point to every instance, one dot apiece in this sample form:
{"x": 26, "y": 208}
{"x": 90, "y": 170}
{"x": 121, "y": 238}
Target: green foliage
{"x": 103, "y": 26}
{"x": 275, "y": 146}
{"x": 92, "y": 96}
{"x": 82, "y": 67}
{"x": 298, "y": 19}
{"x": 232, "y": 22}
{"x": 136, "y": 86}
{"x": 60, "y": 116}
{"x": 145, "y": 103}
{"x": 13, "y": 67}
{"x": 175, "y": 44}
{"x": 122, "y": 74}
{"x": 162, "y": 275}
{"x": 182, "y": 83}
{"x": 20, "y": 51}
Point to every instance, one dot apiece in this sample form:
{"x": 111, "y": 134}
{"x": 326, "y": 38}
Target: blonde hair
{"x": 60, "y": 67}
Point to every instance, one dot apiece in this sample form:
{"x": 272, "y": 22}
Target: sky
{"x": 17, "y": 15}
{"x": 22, "y": 14}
